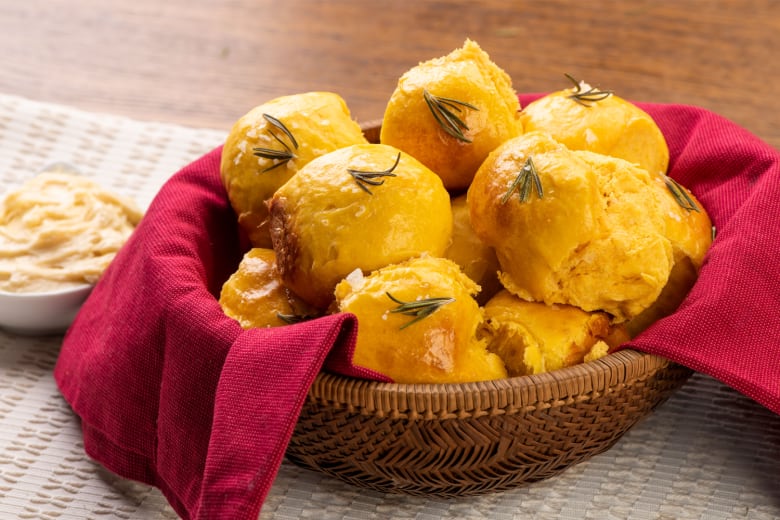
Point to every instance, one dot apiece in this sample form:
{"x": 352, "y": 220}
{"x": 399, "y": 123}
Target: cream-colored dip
{"x": 59, "y": 230}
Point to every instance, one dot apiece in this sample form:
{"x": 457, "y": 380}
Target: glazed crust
{"x": 611, "y": 126}
{"x": 324, "y": 224}
{"x": 255, "y": 296}
{"x": 443, "y": 347}
{"x": 596, "y": 239}
{"x": 533, "y": 337}
{"x": 319, "y": 122}
{"x": 466, "y": 75}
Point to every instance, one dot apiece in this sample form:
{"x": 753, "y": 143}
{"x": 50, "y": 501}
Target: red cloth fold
{"x": 729, "y": 324}
{"x": 173, "y": 393}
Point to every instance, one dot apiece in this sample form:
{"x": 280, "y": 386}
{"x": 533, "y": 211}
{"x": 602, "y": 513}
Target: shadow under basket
{"x": 465, "y": 439}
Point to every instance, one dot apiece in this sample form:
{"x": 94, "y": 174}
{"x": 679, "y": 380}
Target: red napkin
{"x": 173, "y": 393}
{"x": 729, "y": 325}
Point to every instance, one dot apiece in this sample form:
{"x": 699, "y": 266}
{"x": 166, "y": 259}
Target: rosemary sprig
{"x": 527, "y": 178}
{"x": 292, "y": 319}
{"x": 372, "y": 178}
{"x": 585, "y": 97}
{"x": 681, "y": 195}
{"x": 282, "y": 156}
{"x": 443, "y": 110}
{"x": 421, "y": 309}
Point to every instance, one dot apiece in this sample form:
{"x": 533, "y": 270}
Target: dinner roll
{"x": 364, "y": 206}
{"x": 451, "y": 112}
{"x": 587, "y": 118}
{"x": 418, "y": 323}
{"x": 270, "y": 143}
{"x": 255, "y": 296}
{"x": 477, "y": 260}
{"x": 532, "y": 337}
{"x": 689, "y": 229}
{"x": 572, "y": 227}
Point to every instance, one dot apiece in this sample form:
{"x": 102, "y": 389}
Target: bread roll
{"x": 477, "y": 260}
{"x": 438, "y": 346}
{"x": 587, "y": 118}
{"x": 451, "y": 112}
{"x": 271, "y": 142}
{"x": 363, "y": 206}
{"x": 592, "y": 234}
{"x": 534, "y": 337}
{"x": 689, "y": 229}
{"x": 255, "y": 296}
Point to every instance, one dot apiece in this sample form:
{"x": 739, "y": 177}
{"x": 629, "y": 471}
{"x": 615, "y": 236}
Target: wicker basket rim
{"x": 563, "y": 386}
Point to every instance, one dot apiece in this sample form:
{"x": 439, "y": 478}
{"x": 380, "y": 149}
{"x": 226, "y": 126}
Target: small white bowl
{"x": 43, "y": 313}
{"x": 38, "y": 314}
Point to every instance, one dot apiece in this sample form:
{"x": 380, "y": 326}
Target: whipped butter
{"x": 60, "y": 230}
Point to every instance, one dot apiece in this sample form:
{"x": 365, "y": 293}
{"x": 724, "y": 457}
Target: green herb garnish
{"x": 282, "y": 156}
{"x": 420, "y": 309}
{"x": 681, "y": 195}
{"x": 292, "y": 319}
{"x": 527, "y": 178}
{"x": 372, "y": 178}
{"x": 443, "y": 110}
{"x": 585, "y": 97}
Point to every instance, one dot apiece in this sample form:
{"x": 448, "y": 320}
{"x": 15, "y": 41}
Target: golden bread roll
{"x": 572, "y": 227}
{"x": 417, "y": 323}
{"x": 363, "y": 206}
{"x": 477, "y": 260}
{"x": 255, "y": 296}
{"x": 585, "y": 118}
{"x": 688, "y": 224}
{"x": 689, "y": 229}
{"x": 681, "y": 279}
{"x": 270, "y": 143}
{"x": 451, "y": 112}
{"x": 533, "y": 337}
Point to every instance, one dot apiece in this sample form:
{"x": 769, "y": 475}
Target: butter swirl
{"x": 60, "y": 230}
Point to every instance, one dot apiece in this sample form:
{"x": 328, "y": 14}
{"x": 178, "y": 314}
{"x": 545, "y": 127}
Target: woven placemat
{"x": 707, "y": 453}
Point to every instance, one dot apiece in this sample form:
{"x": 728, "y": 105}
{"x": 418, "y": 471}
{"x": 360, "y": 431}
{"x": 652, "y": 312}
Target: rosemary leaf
{"x": 585, "y": 97}
{"x": 373, "y": 178}
{"x": 292, "y": 319}
{"x": 681, "y": 195}
{"x": 282, "y": 156}
{"x": 443, "y": 110}
{"x": 527, "y": 179}
{"x": 278, "y": 124}
{"x": 420, "y": 309}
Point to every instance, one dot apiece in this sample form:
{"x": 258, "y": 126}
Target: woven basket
{"x": 466, "y": 439}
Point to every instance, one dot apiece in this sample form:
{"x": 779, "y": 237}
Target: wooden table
{"x": 205, "y": 62}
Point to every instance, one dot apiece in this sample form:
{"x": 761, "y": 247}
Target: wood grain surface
{"x": 204, "y": 63}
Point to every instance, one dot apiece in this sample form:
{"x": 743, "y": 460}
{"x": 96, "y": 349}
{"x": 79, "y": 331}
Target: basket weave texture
{"x": 466, "y": 439}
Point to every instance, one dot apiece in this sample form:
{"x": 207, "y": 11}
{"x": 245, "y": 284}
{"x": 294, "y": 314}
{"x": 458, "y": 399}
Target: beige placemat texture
{"x": 708, "y": 453}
